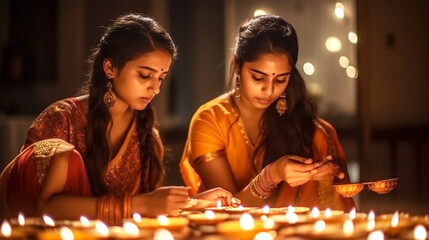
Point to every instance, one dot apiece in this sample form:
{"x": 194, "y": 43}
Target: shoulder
{"x": 324, "y": 126}
{"x": 217, "y": 108}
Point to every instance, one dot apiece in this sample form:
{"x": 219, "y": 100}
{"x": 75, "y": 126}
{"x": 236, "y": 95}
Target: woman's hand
{"x": 210, "y": 198}
{"x": 164, "y": 200}
{"x": 294, "y": 170}
{"x": 328, "y": 170}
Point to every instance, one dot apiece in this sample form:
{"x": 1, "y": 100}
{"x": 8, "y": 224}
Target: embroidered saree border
{"x": 208, "y": 157}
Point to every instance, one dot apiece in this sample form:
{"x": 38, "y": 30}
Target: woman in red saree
{"x": 264, "y": 137}
{"x": 99, "y": 154}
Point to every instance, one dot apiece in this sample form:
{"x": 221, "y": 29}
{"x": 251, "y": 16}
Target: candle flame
{"x": 263, "y": 236}
{"x": 163, "y": 234}
{"x": 395, "y": 219}
{"x": 240, "y": 207}
{"x": 48, "y": 220}
{"x": 348, "y": 227}
{"x": 84, "y": 220}
{"x": 420, "y": 232}
{"x": 101, "y": 228}
{"x": 137, "y": 217}
{"x": 371, "y": 215}
{"x": 328, "y": 212}
{"x": 269, "y": 223}
{"x": 209, "y": 214}
{"x": 219, "y": 203}
{"x": 352, "y": 213}
{"x": 66, "y": 233}
{"x": 319, "y": 226}
{"x": 131, "y": 229}
{"x": 376, "y": 235}
{"x": 291, "y": 217}
{"x": 163, "y": 220}
{"x": 6, "y": 230}
{"x": 247, "y": 222}
{"x": 371, "y": 225}
{"x": 315, "y": 212}
{"x": 264, "y": 217}
{"x": 21, "y": 219}
{"x": 290, "y": 208}
{"x": 266, "y": 209}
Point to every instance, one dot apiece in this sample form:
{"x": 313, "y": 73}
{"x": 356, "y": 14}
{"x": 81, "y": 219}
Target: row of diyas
{"x": 241, "y": 222}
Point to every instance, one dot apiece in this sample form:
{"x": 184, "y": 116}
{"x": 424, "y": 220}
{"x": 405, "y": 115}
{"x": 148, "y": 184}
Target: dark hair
{"x": 291, "y": 133}
{"x": 127, "y": 38}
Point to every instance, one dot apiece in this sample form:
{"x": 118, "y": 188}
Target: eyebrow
{"x": 283, "y": 74}
{"x": 150, "y": 69}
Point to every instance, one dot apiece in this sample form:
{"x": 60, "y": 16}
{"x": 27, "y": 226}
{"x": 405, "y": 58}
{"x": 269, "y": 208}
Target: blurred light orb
{"x": 352, "y": 72}
{"x": 308, "y": 68}
{"x": 353, "y": 38}
{"x": 333, "y": 44}
{"x": 344, "y": 61}
{"x": 339, "y": 10}
{"x": 259, "y": 12}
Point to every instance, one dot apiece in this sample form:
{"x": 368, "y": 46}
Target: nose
{"x": 268, "y": 88}
{"x": 155, "y": 86}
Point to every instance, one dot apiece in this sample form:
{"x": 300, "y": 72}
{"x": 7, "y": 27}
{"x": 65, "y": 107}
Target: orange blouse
{"x": 216, "y": 129}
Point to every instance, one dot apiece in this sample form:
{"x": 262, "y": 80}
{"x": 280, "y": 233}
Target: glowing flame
{"x": 21, "y": 219}
{"x": 348, "y": 227}
{"x": 209, "y": 214}
{"x": 395, "y": 219}
{"x": 263, "y": 236}
{"x": 131, "y": 229}
{"x": 84, "y": 220}
{"x": 376, "y": 235}
{"x": 246, "y": 221}
{"x": 163, "y": 220}
{"x": 6, "y": 230}
{"x": 48, "y": 220}
{"x": 371, "y": 215}
{"x": 240, "y": 207}
{"x": 290, "y": 208}
{"x": 269, "y": 224}
{"x": 266, "y": 209}
{"x": 315, "y": 212}
{"x": 219, "y": 203}
{"x": 163, "y": 234}
{"x": 328, "y": 212}
{"x": 319, "y": 226}
{"x": 370, "y": 225}
{"x": 291, "y": 217}
{"x": 101, "y": 228}
{"x": 352, "y": 214}
{"x": 137, "y": 217}
{"x": 420, "y": 232}
{"x": 66, "y": 233}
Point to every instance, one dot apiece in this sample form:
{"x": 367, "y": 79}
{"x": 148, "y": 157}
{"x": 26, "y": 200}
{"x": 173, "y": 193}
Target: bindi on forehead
{"x": 162, "y": 69}
{"x": 274, "y": 74}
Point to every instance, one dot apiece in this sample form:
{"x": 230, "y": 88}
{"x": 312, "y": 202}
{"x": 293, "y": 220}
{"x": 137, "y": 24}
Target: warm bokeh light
{"x": 219, "y": 203}
{"x": 84, "y": 220}
{"x": 344, "y": 61}
{"x": 348, "y": 227}
{"x": 259, "y": 12}
{"x": 315, "y": 212}
{"x": 333, "y": 44}
{"x": 395, "y": 219}
{"x": 209, "y": 214}
{"x": 352, "y": 213}
{"x": 420, "y": 232}
{"x": 308, "y": 68}
{"x": 163, "y": 220}
{"x": 263, "y": 236}
{"x": 131, "y": 229}
{"x": 291, "y": 217}
{"x": 339, "y": 10}
{"x": 162, "y": 234}
{"x": 137, "y": 217}
{"x": 328, "y": 212}
{"x": 247, "y": 222}
{"x": 101, "y": 228}
{"x": 48, "y": 220}
{"x": 66, "y": 233}
{"x": 6, "y": 229}
{"x": 266, "y": 209}
{"x": 319, "y": 226}
{"x": 21, "y": 219}
{"x": 376, "y": 235}
{"x": 351, "y": 72}
{"x": 353, "y": 38}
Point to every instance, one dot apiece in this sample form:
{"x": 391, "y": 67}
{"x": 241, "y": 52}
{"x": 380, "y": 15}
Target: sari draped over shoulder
{"x": 61, "y": 127}
{"x": 217, "y": 130}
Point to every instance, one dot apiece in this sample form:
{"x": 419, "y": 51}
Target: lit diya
{"x": 9, "y": 232}
{"x": 162, "y": 221}
{"x": 393, "y": 224}
{"x": 266, "y": 210}
{"x": 246, "y": 227}
{"x": 208, "y": 217}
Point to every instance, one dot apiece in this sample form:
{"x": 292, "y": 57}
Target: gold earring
{"x": 281, "y": 104}
{"x": 237, "y": 93}
{"x": 109, "y": 98}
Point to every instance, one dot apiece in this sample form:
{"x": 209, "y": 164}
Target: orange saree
{"x": 62, "y": 127}
{"x": 216, "y": 129}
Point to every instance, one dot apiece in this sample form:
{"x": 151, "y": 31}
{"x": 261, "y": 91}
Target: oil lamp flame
{"x": 328, "y": 212}
{"x": 84, "y": 220}
{"x": 240, "y": 207}
{"x": 319, "y": 226}
{"x": 247, "y": 222}
{"x": 266, "y": 209}
{"x": 163, "y": 220}
{"x": 348, "y": 227}
{"x": 219, "y": 203}
{"x": 420, "y": 232}
{"x": 66, "y": 233}
{"x": 209, "y": 214}
{"x": 101, "y": 228}
{"x": 6, "y": 230}
{"x": 352, "y": 213}
{"x": 163, "y": 234}
{"x": 371, "y": 215}
{"x": 395, "y": 219}
{"x": 291, "y": 217}
{"x": 21, "y": 219}
{"x": 48, "y": 220}
{"x": 376, "y": 235}
{"x": 137, "y": 217}
{"x": 315, "y": 212}
{"x": 290, "y": 208}
{"x": 263, "y": 236}
{"x": 131, "y": 229}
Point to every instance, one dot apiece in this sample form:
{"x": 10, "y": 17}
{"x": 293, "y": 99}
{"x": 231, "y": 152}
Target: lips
{"x": 146, "y": 99}
{"x": 263, "y": 101}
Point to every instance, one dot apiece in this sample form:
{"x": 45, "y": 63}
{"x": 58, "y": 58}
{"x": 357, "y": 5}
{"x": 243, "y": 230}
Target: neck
{"x": 249, "y": 112}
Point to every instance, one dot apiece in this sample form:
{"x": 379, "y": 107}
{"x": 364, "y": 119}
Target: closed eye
{"x": 145, "y": 76}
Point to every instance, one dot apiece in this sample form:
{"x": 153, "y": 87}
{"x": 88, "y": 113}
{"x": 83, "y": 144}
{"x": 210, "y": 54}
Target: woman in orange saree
{"x": 263, "y": 141}
{"x": 99, "y": 154}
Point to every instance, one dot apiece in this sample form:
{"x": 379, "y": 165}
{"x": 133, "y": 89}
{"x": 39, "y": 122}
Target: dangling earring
{"x": 109, "y": 98}
{"x": 281, "y": 105}
{"x": 237, "y": 93}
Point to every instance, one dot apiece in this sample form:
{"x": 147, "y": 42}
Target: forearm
{"x": 71, "y": 207}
